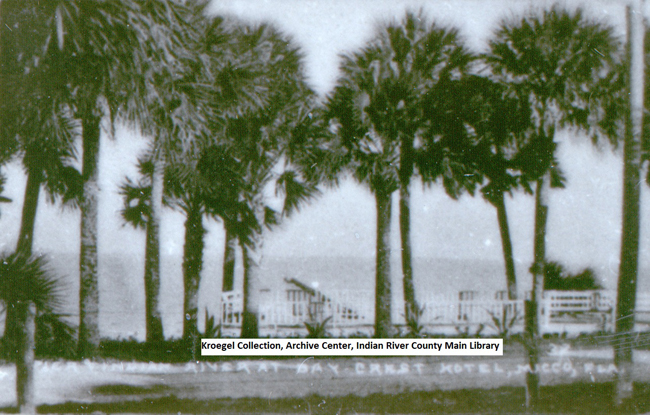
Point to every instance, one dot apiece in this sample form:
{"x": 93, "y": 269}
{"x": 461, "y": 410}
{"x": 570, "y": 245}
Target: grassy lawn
{"x": 130, "y": 377}
{"x": 578, "y": 398}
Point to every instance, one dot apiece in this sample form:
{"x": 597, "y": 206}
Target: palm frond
{"x": 561, "y": 58}
{"x": 27, "y": 279}
{"x": 3, "y": 181}
{"x": 294, "y": 190}
{"x": 137, "y": 203}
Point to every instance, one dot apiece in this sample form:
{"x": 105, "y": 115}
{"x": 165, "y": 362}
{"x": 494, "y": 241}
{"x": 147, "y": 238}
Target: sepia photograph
{"x": 188, "y": 184}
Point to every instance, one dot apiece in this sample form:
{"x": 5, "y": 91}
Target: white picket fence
{"x": 352, "y": 311}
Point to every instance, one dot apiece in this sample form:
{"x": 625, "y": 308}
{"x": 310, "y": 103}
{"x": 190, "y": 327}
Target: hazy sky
{"x": 584, "y": 223}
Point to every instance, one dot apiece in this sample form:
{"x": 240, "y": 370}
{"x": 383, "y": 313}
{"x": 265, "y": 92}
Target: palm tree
{"x": 91, "y": 49}
{"x": 252, "y": 143}
{"x": 393, "y": 98}
{"x": 259, "y": 147}
{"x": 497, "y": 119}
{"x": 548, "y": 57}
{"x": 137, "y": 212}
{"x": 182, "y": 190}
{"x": 167, "y": 107}
{"x": 369, "y": 155}
{"x": 420, "y": 56}
{"x": 46, "y": 154}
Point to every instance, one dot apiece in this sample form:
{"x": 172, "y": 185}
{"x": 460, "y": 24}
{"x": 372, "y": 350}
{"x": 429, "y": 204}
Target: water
{"x": 122, "y": 286}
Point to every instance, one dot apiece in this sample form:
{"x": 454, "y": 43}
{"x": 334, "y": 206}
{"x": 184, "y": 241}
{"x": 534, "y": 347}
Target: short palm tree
{"x": 239, "y": 174}
{"x": 181, "y": 193}
{"x": 46, "y": 163}
{"x": 496, "y": 120}
{"x": 195, "y": 196}
{"x": 27, "y": 287}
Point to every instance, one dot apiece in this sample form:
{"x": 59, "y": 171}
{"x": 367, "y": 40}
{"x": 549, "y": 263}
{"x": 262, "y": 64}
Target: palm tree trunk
{"x": 506, "y": 243}
{"x": 252, "y": 253}
{"x": 88, "y": 268}
{"x": 631, "y": 205}
{"x": 152, "y": 257}
{"x": 192, "y": 264}
{"x": 25, "y": 384}
{"x": 24, "y": 246}
{"x": 228, "y": 282}
{"x": 534, "y": 306}
{"x": 20, "y": 322}
{"x": 405, "y": 173}
{"x": 410, "y": 303}
{"x": 383, "y": 298}
{"x": 26, "y": 235}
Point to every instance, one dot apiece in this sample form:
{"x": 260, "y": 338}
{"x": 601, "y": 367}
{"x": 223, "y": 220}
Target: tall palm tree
{"x": 371, "y": 157}
{"x": 36, "y": 125}
{"x": 91, "y": 48}
{"x": 420, "y": 55}
{"x": 548, "y": 56}
{"x": 167, "y": 107}
{"x": 497, "y": 122}
{"x": 391, "y": 100}
{"x": 254, "y": 136}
